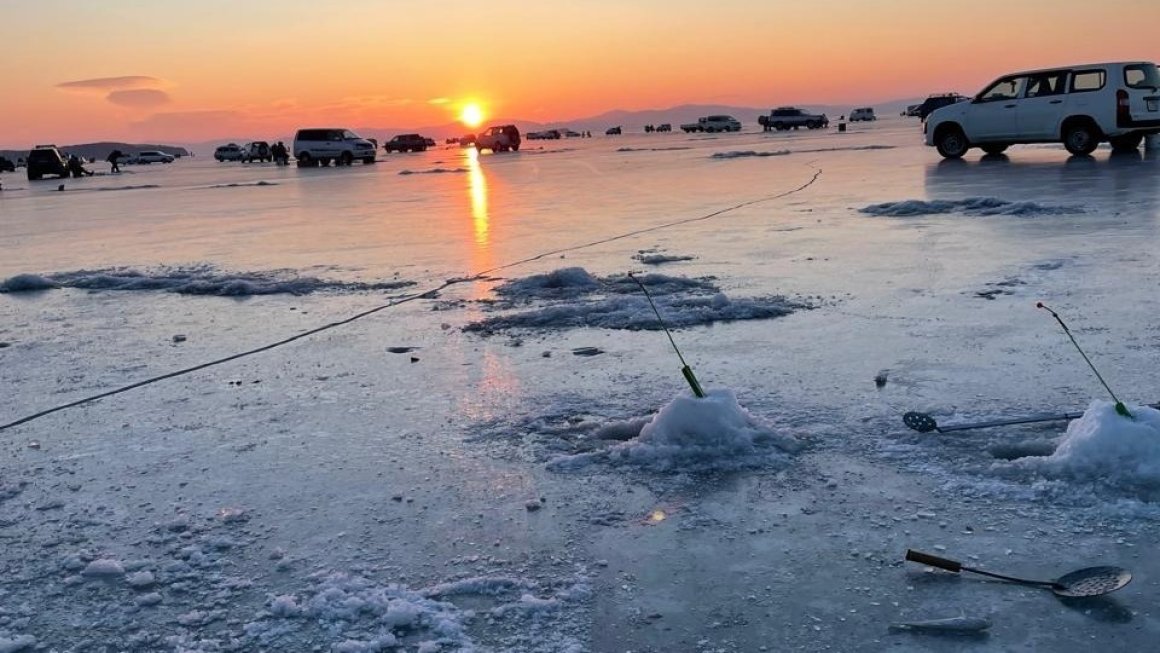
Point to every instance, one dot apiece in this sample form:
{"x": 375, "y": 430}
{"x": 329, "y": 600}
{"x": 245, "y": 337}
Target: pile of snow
{"x": 199, "y": 280}
{"x": 852, "y": 148}
{"x": 744, "y": 154}
{"x": 1105, "y": 447}
{"x": 970, "y": 206}
{"x": 433, "y": 171}
{"x": 565, "y": 282}
{"x": 694, "y": 434}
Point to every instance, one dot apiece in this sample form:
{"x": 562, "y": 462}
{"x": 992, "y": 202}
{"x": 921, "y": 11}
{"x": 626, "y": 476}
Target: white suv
{"x": 153, "y": 156}
{"x": 1079, "y": 106}
{"x": 314, "y": 147}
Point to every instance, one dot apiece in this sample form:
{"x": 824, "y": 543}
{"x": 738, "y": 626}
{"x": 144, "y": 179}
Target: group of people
{"x": 280, "y": 153}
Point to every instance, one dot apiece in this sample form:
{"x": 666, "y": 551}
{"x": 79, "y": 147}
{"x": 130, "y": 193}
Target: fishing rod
{"x": 686, "y": 371}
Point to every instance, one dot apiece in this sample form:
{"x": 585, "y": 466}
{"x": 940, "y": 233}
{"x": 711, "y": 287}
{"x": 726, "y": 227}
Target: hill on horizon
{"x": 100, "y": 150}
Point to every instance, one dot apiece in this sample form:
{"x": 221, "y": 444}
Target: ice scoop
{"x": 1089, "y": 581}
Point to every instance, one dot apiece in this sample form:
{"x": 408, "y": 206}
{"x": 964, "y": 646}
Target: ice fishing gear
{"x": 1120, "y": 407}
{"x": 686, "y": 371}
{"x": 924, "y": 423}
{"x": 1089, "y": 581}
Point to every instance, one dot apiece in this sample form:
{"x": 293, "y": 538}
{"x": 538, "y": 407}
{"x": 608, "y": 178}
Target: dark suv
{"x": 46, "y": 160}
{"x": 936, "y": 102}
{"x": 6, "y": 165}
{"x": 406, "y": 143}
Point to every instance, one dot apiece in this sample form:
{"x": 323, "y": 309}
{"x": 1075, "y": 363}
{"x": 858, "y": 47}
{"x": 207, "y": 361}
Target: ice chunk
{"x": 103, "y": 568}
{"x": 27, "y": 283}
{"x": 18, "y": 643}
{"x": 970, "y": 206}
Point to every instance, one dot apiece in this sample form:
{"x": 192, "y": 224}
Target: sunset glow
{"x": 472, "y": 116}
{"x": 176, "y": 71}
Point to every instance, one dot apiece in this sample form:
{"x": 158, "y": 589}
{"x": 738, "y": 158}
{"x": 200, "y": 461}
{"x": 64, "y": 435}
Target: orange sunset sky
{"x": 178, "y": 71}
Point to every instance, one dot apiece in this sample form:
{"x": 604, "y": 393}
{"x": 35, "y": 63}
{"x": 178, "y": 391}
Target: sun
{"x": 472, "y": 115}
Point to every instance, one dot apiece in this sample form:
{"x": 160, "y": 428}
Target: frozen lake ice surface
{"x": 506, "y": 458}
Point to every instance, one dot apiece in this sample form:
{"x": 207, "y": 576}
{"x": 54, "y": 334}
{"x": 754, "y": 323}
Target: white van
{"x": 313, "y": 147}
{"x": 865, "y": 114}
{"x": 1080, "y": 106}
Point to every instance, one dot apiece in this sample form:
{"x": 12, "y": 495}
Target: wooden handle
{"x": 933, "y": 561}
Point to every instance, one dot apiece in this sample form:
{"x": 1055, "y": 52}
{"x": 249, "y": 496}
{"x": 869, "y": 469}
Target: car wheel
{"x": 347, "y": 158}
{"x": 305, "y": 160}
{"x": 994, "y": 149}
{"x": 516, "y": 148}
{"x": 1127, "y": 143}
{"x": 1080, "y": 138}
{"x": 952, "y": 143}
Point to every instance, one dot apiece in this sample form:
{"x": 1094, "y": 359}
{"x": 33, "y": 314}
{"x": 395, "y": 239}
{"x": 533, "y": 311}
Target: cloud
{"x": 112, "y": 83}
{"x": 439, "y": 100}
{"x": 141, "y": 98}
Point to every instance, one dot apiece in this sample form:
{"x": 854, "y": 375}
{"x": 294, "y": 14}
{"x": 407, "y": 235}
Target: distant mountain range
{"x": 99, "y": 151}
{"x": 630, "y": 121}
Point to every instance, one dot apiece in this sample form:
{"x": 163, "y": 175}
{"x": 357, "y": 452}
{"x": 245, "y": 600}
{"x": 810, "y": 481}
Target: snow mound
{"x": 27, "y": 283}
{"x": 652, "y": 149}
{"x": 558, "y": 283}
{"x": 199, "y": 280}
{"x": 359, "y": 615}
{"x": 695, "y": 434}
{"x": 656, "y": 258}
{"x": 744, "y": 154}
{"x": 434, "y": 171}
{"x": 1107, "y": 448}
{"x": 137, "y": 187}
{"x": 634, "y": 313}
{"x": 245, "y": 185}
{"x": 576, "y": 298}
{"x": 977, "y": 206}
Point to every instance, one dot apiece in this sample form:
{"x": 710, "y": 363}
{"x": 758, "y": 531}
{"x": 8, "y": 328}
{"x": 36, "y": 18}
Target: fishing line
{"x": 406, "y": 299}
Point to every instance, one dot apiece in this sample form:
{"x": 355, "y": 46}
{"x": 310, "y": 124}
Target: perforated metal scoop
{"x": 1090, "y": 581}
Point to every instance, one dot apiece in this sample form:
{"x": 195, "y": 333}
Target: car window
{"x": 1046, "y": 84}
{"x": 1088, "y": 80}
{"x": 1142, "y": 76}
{"x": 349, "y": 135}
{"x": 1007, "y": 88}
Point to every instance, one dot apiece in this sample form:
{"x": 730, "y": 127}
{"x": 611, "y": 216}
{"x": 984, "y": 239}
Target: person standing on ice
{"x": 114, "y": 158}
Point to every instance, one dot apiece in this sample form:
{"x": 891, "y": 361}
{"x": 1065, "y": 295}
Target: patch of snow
{"x": 245, "y": 185}
{"x": 976, "y": 206}
{"x": 434, "y": 171}
{"x": 653, "y": 149}
{"x": 141, "y": 580}
{"x": 744, "y": 154}
{"x": 200, "y": 280}
{"x": 653, "y": 258}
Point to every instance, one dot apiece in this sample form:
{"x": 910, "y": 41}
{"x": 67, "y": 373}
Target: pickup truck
{"x": 785, "y": 118}
{"x": 713, "y": 124}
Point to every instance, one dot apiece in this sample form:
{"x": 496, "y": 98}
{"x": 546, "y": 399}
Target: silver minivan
{"x": 320, "y": 146}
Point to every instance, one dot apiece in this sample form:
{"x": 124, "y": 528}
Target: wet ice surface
{"x": 327, "y": 494}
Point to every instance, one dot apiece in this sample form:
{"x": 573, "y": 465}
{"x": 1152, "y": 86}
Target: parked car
{"x": 313, "y": 147}
{"x": 499, "y": 139}
{"x": 429, "y": 141}
{"x": 613, "y": 131}
{"x": 46, "y": 160}
{"x": 231, "y": 152}
{"x": 664, "y": 127}
{"x": 785, "y": 118}
{"x": 864, "y": 114}
{"x": 258, "y": 151}
{"x": 936, "y": 102}
{"x": 406, "y": 143}
{"x": 1080, "y": 106}
{"x": 548, "y": 135}
{"x": 153, "y": 156}
{"x": 712, "y": 124}
{"x": 6, "y": 165}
